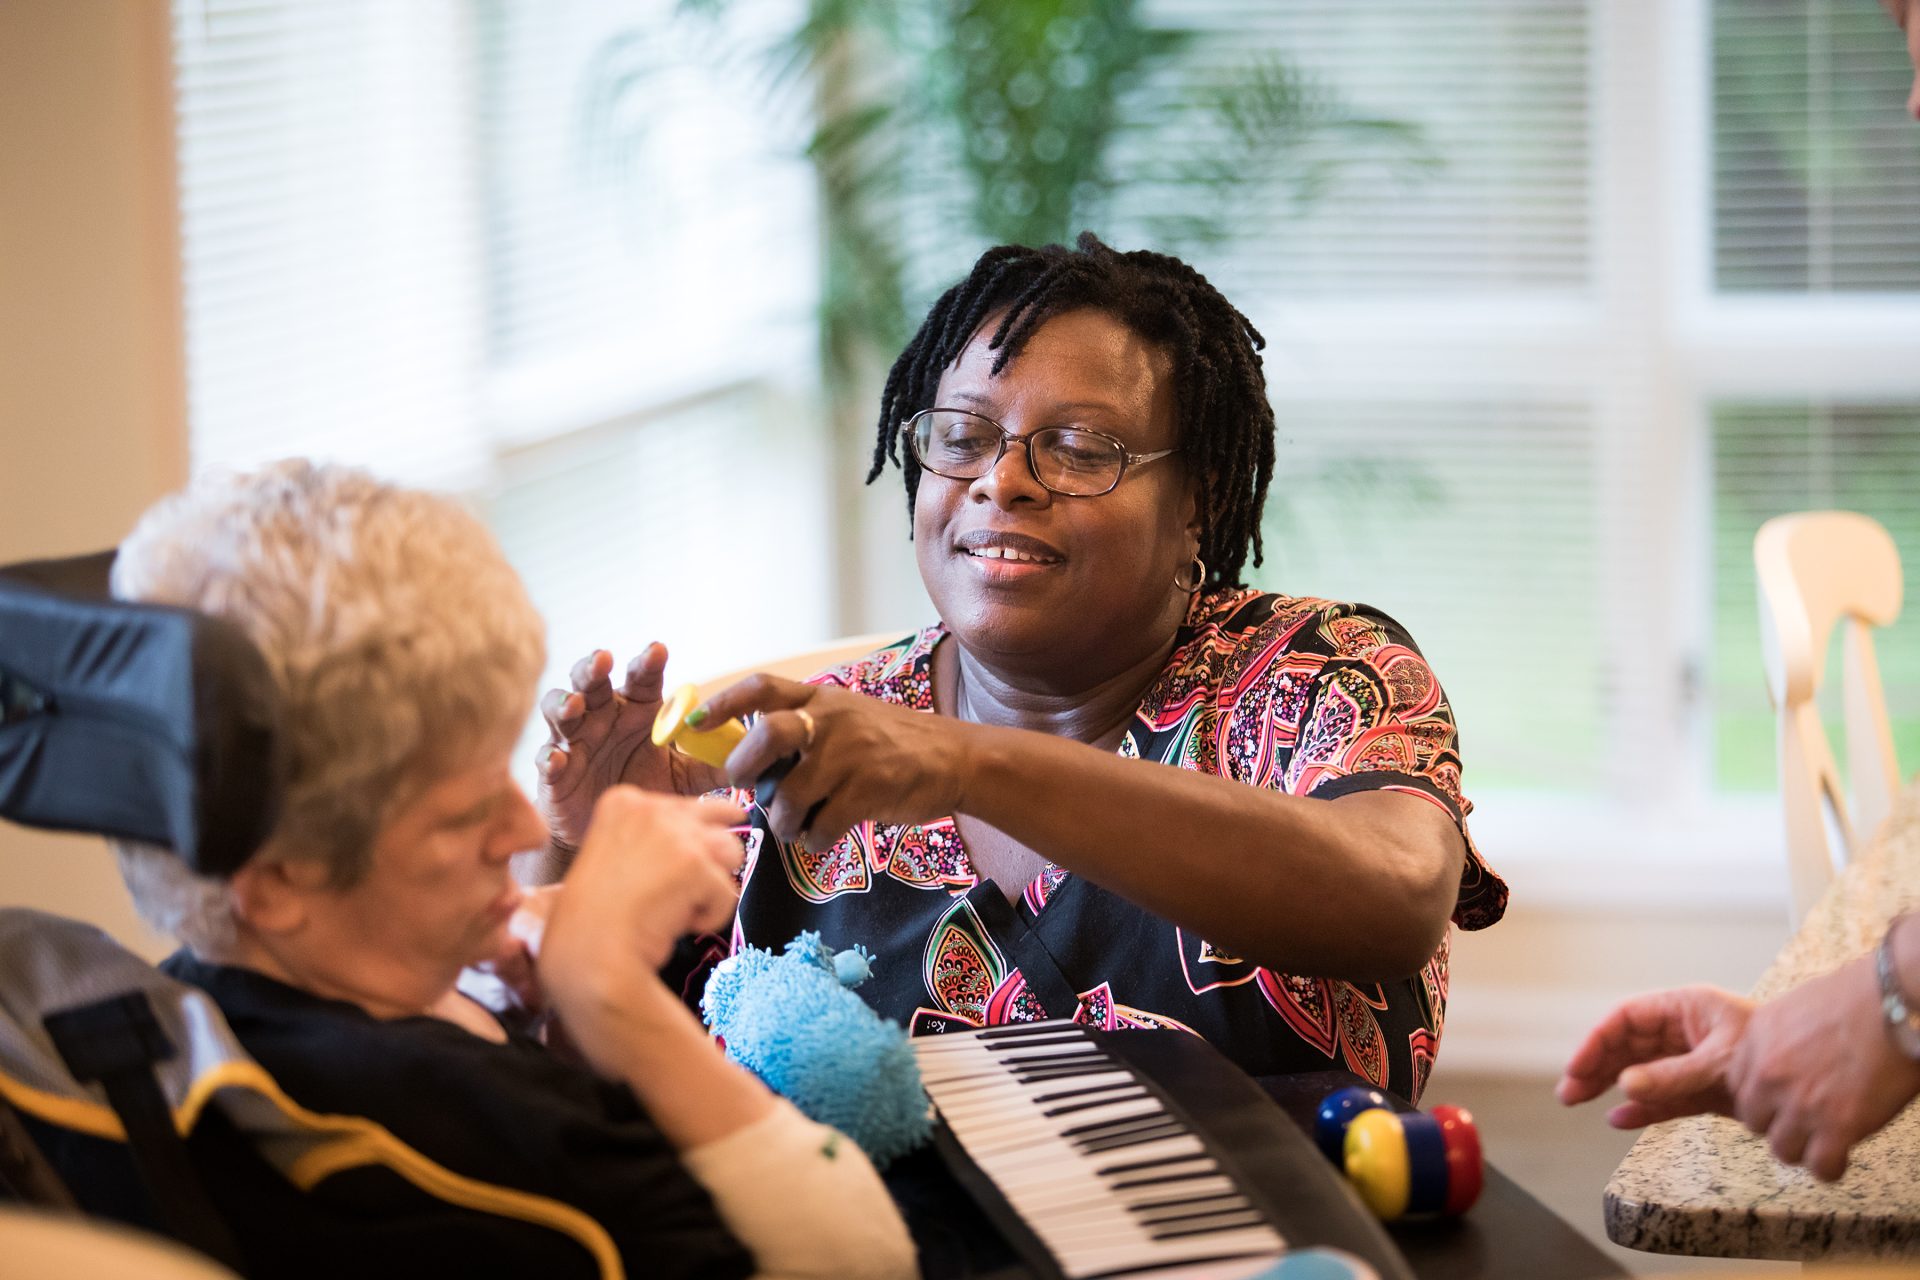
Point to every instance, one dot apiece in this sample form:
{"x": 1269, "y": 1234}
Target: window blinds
{"x": 327, "y": 236}
{"x": 1472, "y": 522}
{"x": 648, "y": 221}
{"x": 1464, "y": 501}
{"x": 1816, "y": 169}
{"x": 1500, "y": 92}
{"x": 548, "y": 256}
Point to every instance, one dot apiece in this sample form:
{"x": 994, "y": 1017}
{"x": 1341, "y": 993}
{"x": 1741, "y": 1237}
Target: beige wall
{"x": 1526, "y": 991}
{"x": 92, "y": 398}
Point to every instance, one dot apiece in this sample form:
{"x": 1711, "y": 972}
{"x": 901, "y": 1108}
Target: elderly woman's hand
{"x": 860, "y": 759}
{"x": 599, "y": 736}
{"x": 653, "y": 869}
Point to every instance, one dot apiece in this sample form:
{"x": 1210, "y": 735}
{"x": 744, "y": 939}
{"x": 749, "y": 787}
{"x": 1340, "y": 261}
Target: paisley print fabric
{"x": 1309, "y": 697}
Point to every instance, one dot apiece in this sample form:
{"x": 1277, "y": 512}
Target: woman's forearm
{"x": 1359, "y": 887}
{"x": 801, "y": 1196}
{"x": 804, "y": 1200}
{"x": 648, "y": 1039}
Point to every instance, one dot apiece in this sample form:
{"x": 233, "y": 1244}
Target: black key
{"x": 1178, "y": 1201}
{"x": 1119, "y": 1141}
{"x": 1091, "y": 1147}
{"x": 1194, "y": 1215}
{"x": 1031, "y": 1042}
{"x": 1072, "y": 1107}
{"x": 1081, "y": 1093}
{"x": 1069, "y": 1056}
{"x": 1014, "y": 1030}
{"x": 1155, "y": 1163}
{"x": 1252, "y": 1220}
{"x": 1045, "y": 1074}
{"x": 1101, "y": 1128}
{"x": 1157, "y": 1179}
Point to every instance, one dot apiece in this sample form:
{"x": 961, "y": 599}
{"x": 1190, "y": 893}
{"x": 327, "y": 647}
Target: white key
{"x": 1096, "y": 1211}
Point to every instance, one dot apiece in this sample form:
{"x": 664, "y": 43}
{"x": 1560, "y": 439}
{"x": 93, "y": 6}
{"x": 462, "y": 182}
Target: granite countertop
{"x": 1704, "y": 1185}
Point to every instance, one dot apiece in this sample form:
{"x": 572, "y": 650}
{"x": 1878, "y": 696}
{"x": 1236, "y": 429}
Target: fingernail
{"x": 697, "y": 717}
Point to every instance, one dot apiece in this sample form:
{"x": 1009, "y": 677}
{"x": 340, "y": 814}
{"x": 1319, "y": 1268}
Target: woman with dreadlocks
{"x": 1111, "y": 782}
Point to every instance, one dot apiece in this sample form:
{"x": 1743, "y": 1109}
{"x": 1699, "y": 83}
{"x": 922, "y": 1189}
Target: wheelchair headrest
{"x": 139, "y": 721}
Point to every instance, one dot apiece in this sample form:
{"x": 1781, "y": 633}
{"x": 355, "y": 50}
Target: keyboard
{"x": 1109, "y": 1173}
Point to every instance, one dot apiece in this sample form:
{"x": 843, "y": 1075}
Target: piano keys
{"x": 1102, "y": 1166}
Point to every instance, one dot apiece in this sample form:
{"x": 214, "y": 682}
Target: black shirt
{"x": 511, "y": 1115}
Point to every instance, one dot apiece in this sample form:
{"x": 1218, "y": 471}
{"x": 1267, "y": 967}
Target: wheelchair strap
{"x": 117, "y": 1042}
{"x": 25, "y": 1174}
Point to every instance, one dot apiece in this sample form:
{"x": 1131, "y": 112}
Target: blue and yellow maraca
{"x": 1411, "y": 1164}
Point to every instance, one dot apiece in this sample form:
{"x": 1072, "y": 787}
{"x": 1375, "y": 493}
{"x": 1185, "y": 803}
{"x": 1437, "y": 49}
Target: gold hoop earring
{"x": 1199, "y": 568}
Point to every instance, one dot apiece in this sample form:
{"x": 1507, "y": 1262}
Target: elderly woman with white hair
{"x": 406, "y": 654}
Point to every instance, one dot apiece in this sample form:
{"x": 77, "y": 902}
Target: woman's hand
{"x": 599, "y": 736}
{"x": 1812, "y": 1071}
{"x": 652, "y": 869}
{"x": 1816, "y": 1071}
{"x": 1669, "y": 1052}
{"x": 860, "y": 759}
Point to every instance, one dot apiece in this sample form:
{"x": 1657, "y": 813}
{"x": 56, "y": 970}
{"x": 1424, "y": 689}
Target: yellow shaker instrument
{"x": 712, "y": 744}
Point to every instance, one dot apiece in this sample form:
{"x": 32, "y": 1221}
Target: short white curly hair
{"x": 397, "y": 634}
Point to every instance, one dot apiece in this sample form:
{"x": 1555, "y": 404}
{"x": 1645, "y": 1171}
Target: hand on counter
{"x": 1813, "y": 1070}
{"x": 1668, "y": 1051}
{"x": 1816, "y": 1071}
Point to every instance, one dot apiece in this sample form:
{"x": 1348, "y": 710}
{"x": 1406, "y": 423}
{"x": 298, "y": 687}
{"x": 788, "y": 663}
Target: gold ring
{"x": 806, "y": 718}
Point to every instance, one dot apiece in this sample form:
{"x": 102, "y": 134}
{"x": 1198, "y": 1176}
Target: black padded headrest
{"x": 133, "y": 720}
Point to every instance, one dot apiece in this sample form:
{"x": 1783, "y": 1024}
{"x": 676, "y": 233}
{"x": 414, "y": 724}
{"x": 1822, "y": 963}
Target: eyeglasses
{"x": 1071, "y": 461}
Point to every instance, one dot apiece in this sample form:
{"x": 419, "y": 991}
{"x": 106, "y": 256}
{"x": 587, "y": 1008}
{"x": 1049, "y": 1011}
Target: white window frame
{"x": 1651, "y": 346}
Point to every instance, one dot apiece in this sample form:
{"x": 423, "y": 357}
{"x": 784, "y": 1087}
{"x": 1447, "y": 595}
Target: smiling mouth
{"x": 1009, "y": 554}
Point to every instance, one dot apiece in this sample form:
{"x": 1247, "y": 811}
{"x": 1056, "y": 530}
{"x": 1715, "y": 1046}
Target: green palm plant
{"x": 944, "y": 126}
{"x": 940, "y": 127}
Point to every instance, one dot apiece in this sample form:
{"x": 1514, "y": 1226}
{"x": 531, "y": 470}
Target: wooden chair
{"x": 1819, "y": 569}
{"x": 806, "y": 662}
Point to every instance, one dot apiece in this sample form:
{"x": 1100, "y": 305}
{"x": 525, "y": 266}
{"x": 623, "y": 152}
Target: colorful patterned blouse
{"x": 1303, "y": 696}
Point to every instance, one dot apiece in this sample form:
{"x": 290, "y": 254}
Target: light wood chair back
{"x": 805, "y": 662}
{"x": 1819, "y": 570}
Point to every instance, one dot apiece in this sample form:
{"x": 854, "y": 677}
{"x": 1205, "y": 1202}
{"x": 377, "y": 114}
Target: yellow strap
{"x": 359, "y": 1142}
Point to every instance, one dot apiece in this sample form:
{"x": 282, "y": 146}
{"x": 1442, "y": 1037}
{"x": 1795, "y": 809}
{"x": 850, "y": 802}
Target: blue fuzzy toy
{"x": 794, "y": 1021}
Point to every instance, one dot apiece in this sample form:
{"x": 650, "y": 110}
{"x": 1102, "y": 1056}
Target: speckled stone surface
{"x": 1706, "y": 1186}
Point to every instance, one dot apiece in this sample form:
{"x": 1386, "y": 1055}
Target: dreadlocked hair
{"x": 1225, "y": 423}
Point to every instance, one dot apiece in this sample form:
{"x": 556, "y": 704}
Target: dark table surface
{"x": 1508, "y": 1234}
